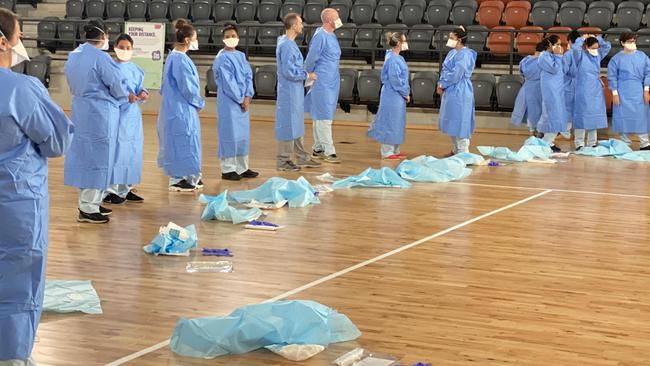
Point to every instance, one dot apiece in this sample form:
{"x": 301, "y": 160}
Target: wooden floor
{"x": 516, "y": 265}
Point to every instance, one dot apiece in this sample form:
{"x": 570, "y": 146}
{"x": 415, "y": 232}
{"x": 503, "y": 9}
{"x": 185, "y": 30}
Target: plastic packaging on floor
{"x": 615, "y": 148}
{"x": 216, "y": 252}
{"x": 298, "y": 193}
{"x": 533, "y": 150}
{"x": 263, "y": 225}
{"x": 204, "y": 266}
{"x": 256, "y": 326}
{"x": 296, "y": 352}
{"x": 173, "y": 240}
{"x": 266, "y": 206}
{"x": 373, "y": 178}
{"x": 429, "y": 169}
{"x": 66, "y": 296}
{"x": 217, "y": 208}
{"x": 361, "y": 357}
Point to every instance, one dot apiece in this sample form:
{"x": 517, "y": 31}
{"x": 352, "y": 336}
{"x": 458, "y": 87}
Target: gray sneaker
{"x": 318, "y": 154}
{"x": 332, "y": 159}
{"x": 288, "y": 166}
{"x": 311, "y": 163}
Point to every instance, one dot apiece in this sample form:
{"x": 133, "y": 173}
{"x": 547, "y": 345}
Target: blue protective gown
{"x": 33, "y": 129}
{"x": 457, "y": 106}
{"x": 234, "y": 79}
{"x": 529, "y": 98}
{"x": 98, "y": 89}
{"x": 589, "y": 110}
{"x": 289, "y": 110}
{"x": 323, "y": 59}
{"x": 179, "y": 127}
{"x": 553, "y": 118}
{"x": 569, "y": 84}
{"x": 130, "y": 137}
{"x": 390, "y": 122}
{"x": 628, "y": 74}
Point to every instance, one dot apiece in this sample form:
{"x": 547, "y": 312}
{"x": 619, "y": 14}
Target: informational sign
{"x": 148, "y": 50}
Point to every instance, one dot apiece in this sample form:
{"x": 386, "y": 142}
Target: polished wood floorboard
{"x": 560, "y": 279}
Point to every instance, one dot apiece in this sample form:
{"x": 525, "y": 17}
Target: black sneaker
{"x": 114, "y": 199}
{"x": 556, "y": 149}
{"x": 318, "y": 154}
{"x": 182, "y": 186}
{"x": 105, "y": 211}
{"x": 231, "y": 176}
{"x": 249, "y": 174}
{"x": 579, "y": 148}
{"x": 199, "y": 185}
{"x": 132, "y": 197}
{"x": 93, "y": 218}
{"x": 645, "y": 148}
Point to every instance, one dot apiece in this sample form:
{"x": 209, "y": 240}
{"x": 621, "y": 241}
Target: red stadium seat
{"x": 499, "y": 42}
{"x": 526, "y": 42}
{"x": 516, "y": 13}
{"x": 490, "y": 12}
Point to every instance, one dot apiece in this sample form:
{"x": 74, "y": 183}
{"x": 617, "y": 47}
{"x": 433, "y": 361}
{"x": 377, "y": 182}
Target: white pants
{"x": 592, "y": 137}
{"x": 459, "y": 145}
{"x": 643, "y": 139}
{"x": 388, "y": 150}
{"x": 286, "y": 149}
{"x": 191, "y": 179}
{"x": 531, "y": 128}
{"x": 237, "y": 164}
{"x": 27, "y": 362}
{"x": 549, "y": 138}
{"x": 323, "y": 137}
{"x": 90, "y": 199}
{"x": 120, "y": 190}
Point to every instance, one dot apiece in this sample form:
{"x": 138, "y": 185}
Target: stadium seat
{"x": 516, "y": 14}
{"x": 527, "y": 42}
{"x": 74, "y": 9}
{"x": 643, "y": 40}
{"x": 420, "y": 36}
{"x": 346, "y": 34}
{"x": 246, "y": 34}
{"x": 368, "y": 37}
{"x": 369, "y": 86}
{"x": 477, "y": 37}
{"x": 311, "y": 12}
{"x": 490, "y": 12}
{"x": 222, "y": 10}
{"x": 67, "y": 34}
{"x": 362, "y": 12}
{"x": 614, "y": 39}
{"x": 46, "y": 33}
{"x": 267, "y": 12}
{"x": 290, "y": 6}
{"x": 629, "y": 15}
{"x": 412, "y": 12}
{"x": 348, "y": 82}
{"x": 268, "y": 35}
{"x": 387, "y": 11}
{"x": 423, "y": 88}
{"x": 499, "y": 42}
{"x": 561, "y": 32}
{"x": 201, "y": 11}
{"x": 210, "y": 84}
{"x": 265, "y": 80}
{"x": 8, "y": 4}
{"x": 591, "y": 30}
{"x": 507, "y": 89}
{"x": 245, "y": 11}
{"x": 572, "y": 14}
{"x": 544, "y": 14}
{"x": 115, "y": 10}
{"x": 343, "y": 7}
{"x": 203, "y": 34}
{"x": 136, "y": 10}
{"x": 180, "y": 9}
{"x": 158, "y": 11}
{"x": 309, "y": 32}
{"x": 114, "y": 29}
{"x": 441, "y": 36}
{"x": 438, "y": 12}
{"x": 483, "y": 85}
{"x": 600, "y": 14}
{"x": 39, "y": 67}
{"x": 95, "y": 9}
{"x": 463, "y": 12}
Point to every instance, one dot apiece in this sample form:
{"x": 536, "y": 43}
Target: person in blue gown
{"x": 289, "y": 109}
{"x": 455, "y": 87}
{"x": 179, "y": 126}
{"x": 553, "y": 119}
{"x": 98, "y": 89}
{"x": 589, "y": 110}
{"x": 234, "y": 79}
{"x": 323, "y": 59}
{"x": 130, "y": 137}
{"x": 390, "y": 122}
{"x": 528, "y": 105}
{"x": 628, "y": 73}
{"x": 33, "y": 129}
{"x": 569, "y": 82}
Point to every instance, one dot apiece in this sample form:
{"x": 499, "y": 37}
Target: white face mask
{"x": 451, "y": 43}
{"x": 194, "y": 45}
{"x": 18, "y": 54}
{"x": 123, "y": 55}
{"x": 593, "y": 52}
{"x": 405, "y": 46}
{"x": 231, "y": 42}
{"x": 338, "y": 23}
{"x": 629, "y": 46}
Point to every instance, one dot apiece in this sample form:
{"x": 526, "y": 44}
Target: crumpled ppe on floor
{"x": 256, "y": 326}
{"x": 298, "y": 193}
{"x": 296, "y": 352}
{"x": 615, "y": 148}
{"x": 374, "y": 178}
{"x": 217, "y": 208}
{"x": 533, "y": 149}
{"x": 429, "y": 169}
{"x": 67, "y": 296}
{"x": 169, "y": 243}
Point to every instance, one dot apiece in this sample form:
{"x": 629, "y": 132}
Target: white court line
{"x": 553, "y": 189}
{"x": 334, "y": 275}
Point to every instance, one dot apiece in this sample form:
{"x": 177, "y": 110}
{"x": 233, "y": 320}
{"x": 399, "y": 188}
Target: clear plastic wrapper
{"x": 209, "y": 266}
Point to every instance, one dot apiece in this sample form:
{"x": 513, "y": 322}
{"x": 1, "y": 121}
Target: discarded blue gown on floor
{"x": 67, "y": 296}
{"x": 429, "y": 169}
{"x": 256, "y": 326}
{"x": 615, "y": 148}
{"x": 168, "y": 244}
{"x": 533, "y": 148}
{"x": 373, "y": 178}
{"x": 217, "y": 208}
{"x": 298, "y": 193}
